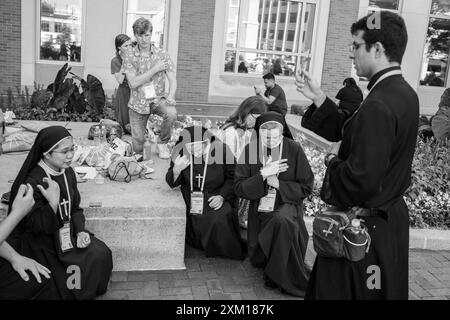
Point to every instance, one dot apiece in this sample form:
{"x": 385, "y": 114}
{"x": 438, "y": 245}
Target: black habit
{"x": 215, "y": 231}
{"x": 373, "y": 170}
{"x": 37, "y": 235}
{"x": 277, "y": 241}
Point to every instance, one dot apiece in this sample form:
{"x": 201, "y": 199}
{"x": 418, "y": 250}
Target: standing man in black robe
{"x": 371, "y": 167}
{"x": 274, "y": 174}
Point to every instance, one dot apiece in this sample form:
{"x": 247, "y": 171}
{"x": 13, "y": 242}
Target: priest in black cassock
{"x": 274, "y": 174}
{"x": 204, "y": 168}
{"x": 371, "y": 168}
{"x": 54, "y": 233}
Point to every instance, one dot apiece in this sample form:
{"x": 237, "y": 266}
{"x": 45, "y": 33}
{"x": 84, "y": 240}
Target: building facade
{"x": 221, "y": 47}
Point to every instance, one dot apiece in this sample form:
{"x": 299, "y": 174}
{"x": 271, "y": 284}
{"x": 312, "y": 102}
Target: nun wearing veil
{"x": 53, "y": 232}
{"x": 275, "y": 175}
{"x": 204, "y": 168}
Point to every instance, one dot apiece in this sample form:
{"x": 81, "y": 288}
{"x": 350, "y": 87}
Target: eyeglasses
{"x": 355, "y": 46}
{"x": 66, "y": 152}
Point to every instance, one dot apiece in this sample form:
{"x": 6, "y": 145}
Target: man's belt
{"x": 371, "y": 212}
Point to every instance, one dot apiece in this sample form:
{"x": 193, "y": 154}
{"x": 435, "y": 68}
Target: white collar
{"x": 49, "y": 170}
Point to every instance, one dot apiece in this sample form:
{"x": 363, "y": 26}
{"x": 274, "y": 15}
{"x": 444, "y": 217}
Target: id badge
{"x": 267, "y": 203}
{"x": 64, "y": 238}
{"x": 149, "y": 91}
{"x": 196, "y": 203}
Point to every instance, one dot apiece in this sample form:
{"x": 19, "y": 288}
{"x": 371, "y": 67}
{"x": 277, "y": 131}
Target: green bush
{"x": 35, "y": 107}
{"x": 428, "y": 197}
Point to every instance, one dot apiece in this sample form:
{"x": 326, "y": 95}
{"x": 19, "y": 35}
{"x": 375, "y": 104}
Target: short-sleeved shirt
{"x": 116, "y": 66}
{"x": 279, "y": 104}
{"x": 134, "y": 62}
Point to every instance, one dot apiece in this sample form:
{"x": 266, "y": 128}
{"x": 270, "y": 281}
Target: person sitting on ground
{"x": 275, "y": 175}
{"x": 15, "y": 269}
{"x": 274, "y": 95}
{"x": 54, "y": 232}
{"x": 204, "y": 168}
{"x": 236, "y": 133}
{"x": 440, "y": 123}
{"x": 350, "y": 97}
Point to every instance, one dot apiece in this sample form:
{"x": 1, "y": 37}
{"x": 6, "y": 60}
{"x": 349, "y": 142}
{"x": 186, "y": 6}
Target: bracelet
{"x": 329, "y": 157}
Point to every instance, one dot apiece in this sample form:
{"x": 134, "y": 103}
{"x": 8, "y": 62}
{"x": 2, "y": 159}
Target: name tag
{"x": 149, "y": 91}
{"x": 267, "y": 203}
{"x": 64, "y": 238}
{"x": 196, "y": 203}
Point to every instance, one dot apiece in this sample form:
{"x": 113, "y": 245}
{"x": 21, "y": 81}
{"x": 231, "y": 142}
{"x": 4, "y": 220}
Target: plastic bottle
{"x": 102, "y": 134}
{"x": 97, "y": 133}
{"x": 147, "y": 149}
{"x": 356, "y": 226}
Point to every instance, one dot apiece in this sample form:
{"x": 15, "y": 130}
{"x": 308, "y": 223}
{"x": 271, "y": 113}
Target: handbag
{"x": 339, "y": 234}
{"x": 124, "y": 171}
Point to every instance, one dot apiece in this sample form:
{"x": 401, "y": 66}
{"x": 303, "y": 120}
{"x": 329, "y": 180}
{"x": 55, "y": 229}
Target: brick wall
{"x": 10, "y": 40}
{"x": 337, "y": 65}
{"x": 195, "y": 49}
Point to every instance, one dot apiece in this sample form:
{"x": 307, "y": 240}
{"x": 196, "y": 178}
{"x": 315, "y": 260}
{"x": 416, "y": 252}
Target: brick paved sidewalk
{"x": 222, "y": 279}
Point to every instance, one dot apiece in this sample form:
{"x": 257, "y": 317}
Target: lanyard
{"x": 204, "y": 170}
{"x": 67, "y": 210}
{"x": 367, "y": 93}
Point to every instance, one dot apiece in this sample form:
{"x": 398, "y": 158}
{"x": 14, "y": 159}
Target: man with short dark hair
{"x": 274, "y": 95}
{"x": 370, "y": 169}
{"x": 146, "y": 68}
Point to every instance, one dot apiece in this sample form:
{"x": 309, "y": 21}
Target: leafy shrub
{"x": 428, "y": 197}
{"x": 36, "y": 107}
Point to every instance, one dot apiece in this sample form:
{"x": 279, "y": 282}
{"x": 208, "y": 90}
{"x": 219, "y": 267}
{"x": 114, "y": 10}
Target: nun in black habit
{"x": 53, "y": 233}
{"x": 212, "y": 222}
{"x": 276, "y": 181}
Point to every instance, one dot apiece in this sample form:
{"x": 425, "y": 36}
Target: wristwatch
{"x": 328, "y": 158}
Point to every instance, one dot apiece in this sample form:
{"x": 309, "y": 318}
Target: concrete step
{"x": 143, "y": 222}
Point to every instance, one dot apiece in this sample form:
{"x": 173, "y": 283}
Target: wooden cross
{"x": 199, "y": 178}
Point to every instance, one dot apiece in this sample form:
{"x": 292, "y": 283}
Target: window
{"x": 60, "y": 31}
{"x": 437, "y": 46}
{"x": 153, "y": 10}
{"x": 280, "y": 44}
{"x": 45, "y": 26}
{"x": 384, "y": 4}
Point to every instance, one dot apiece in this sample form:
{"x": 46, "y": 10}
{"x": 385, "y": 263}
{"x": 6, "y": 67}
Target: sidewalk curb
{"x": 426, "y": 239}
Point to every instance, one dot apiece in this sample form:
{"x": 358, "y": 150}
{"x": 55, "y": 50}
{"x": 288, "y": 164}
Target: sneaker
{"x": 163, "y": 151}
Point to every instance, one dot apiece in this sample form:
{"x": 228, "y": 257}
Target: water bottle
{"x": 147, "y": 149}
{"x": 97, "y": 133}
{"x": 102, "y": 134}
{"x": 356, "y": 226}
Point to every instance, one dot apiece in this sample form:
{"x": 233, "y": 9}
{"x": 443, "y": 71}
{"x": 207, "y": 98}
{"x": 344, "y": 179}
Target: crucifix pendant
{"x": 64, "y": 204}
{"x": 199, "y": 178}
